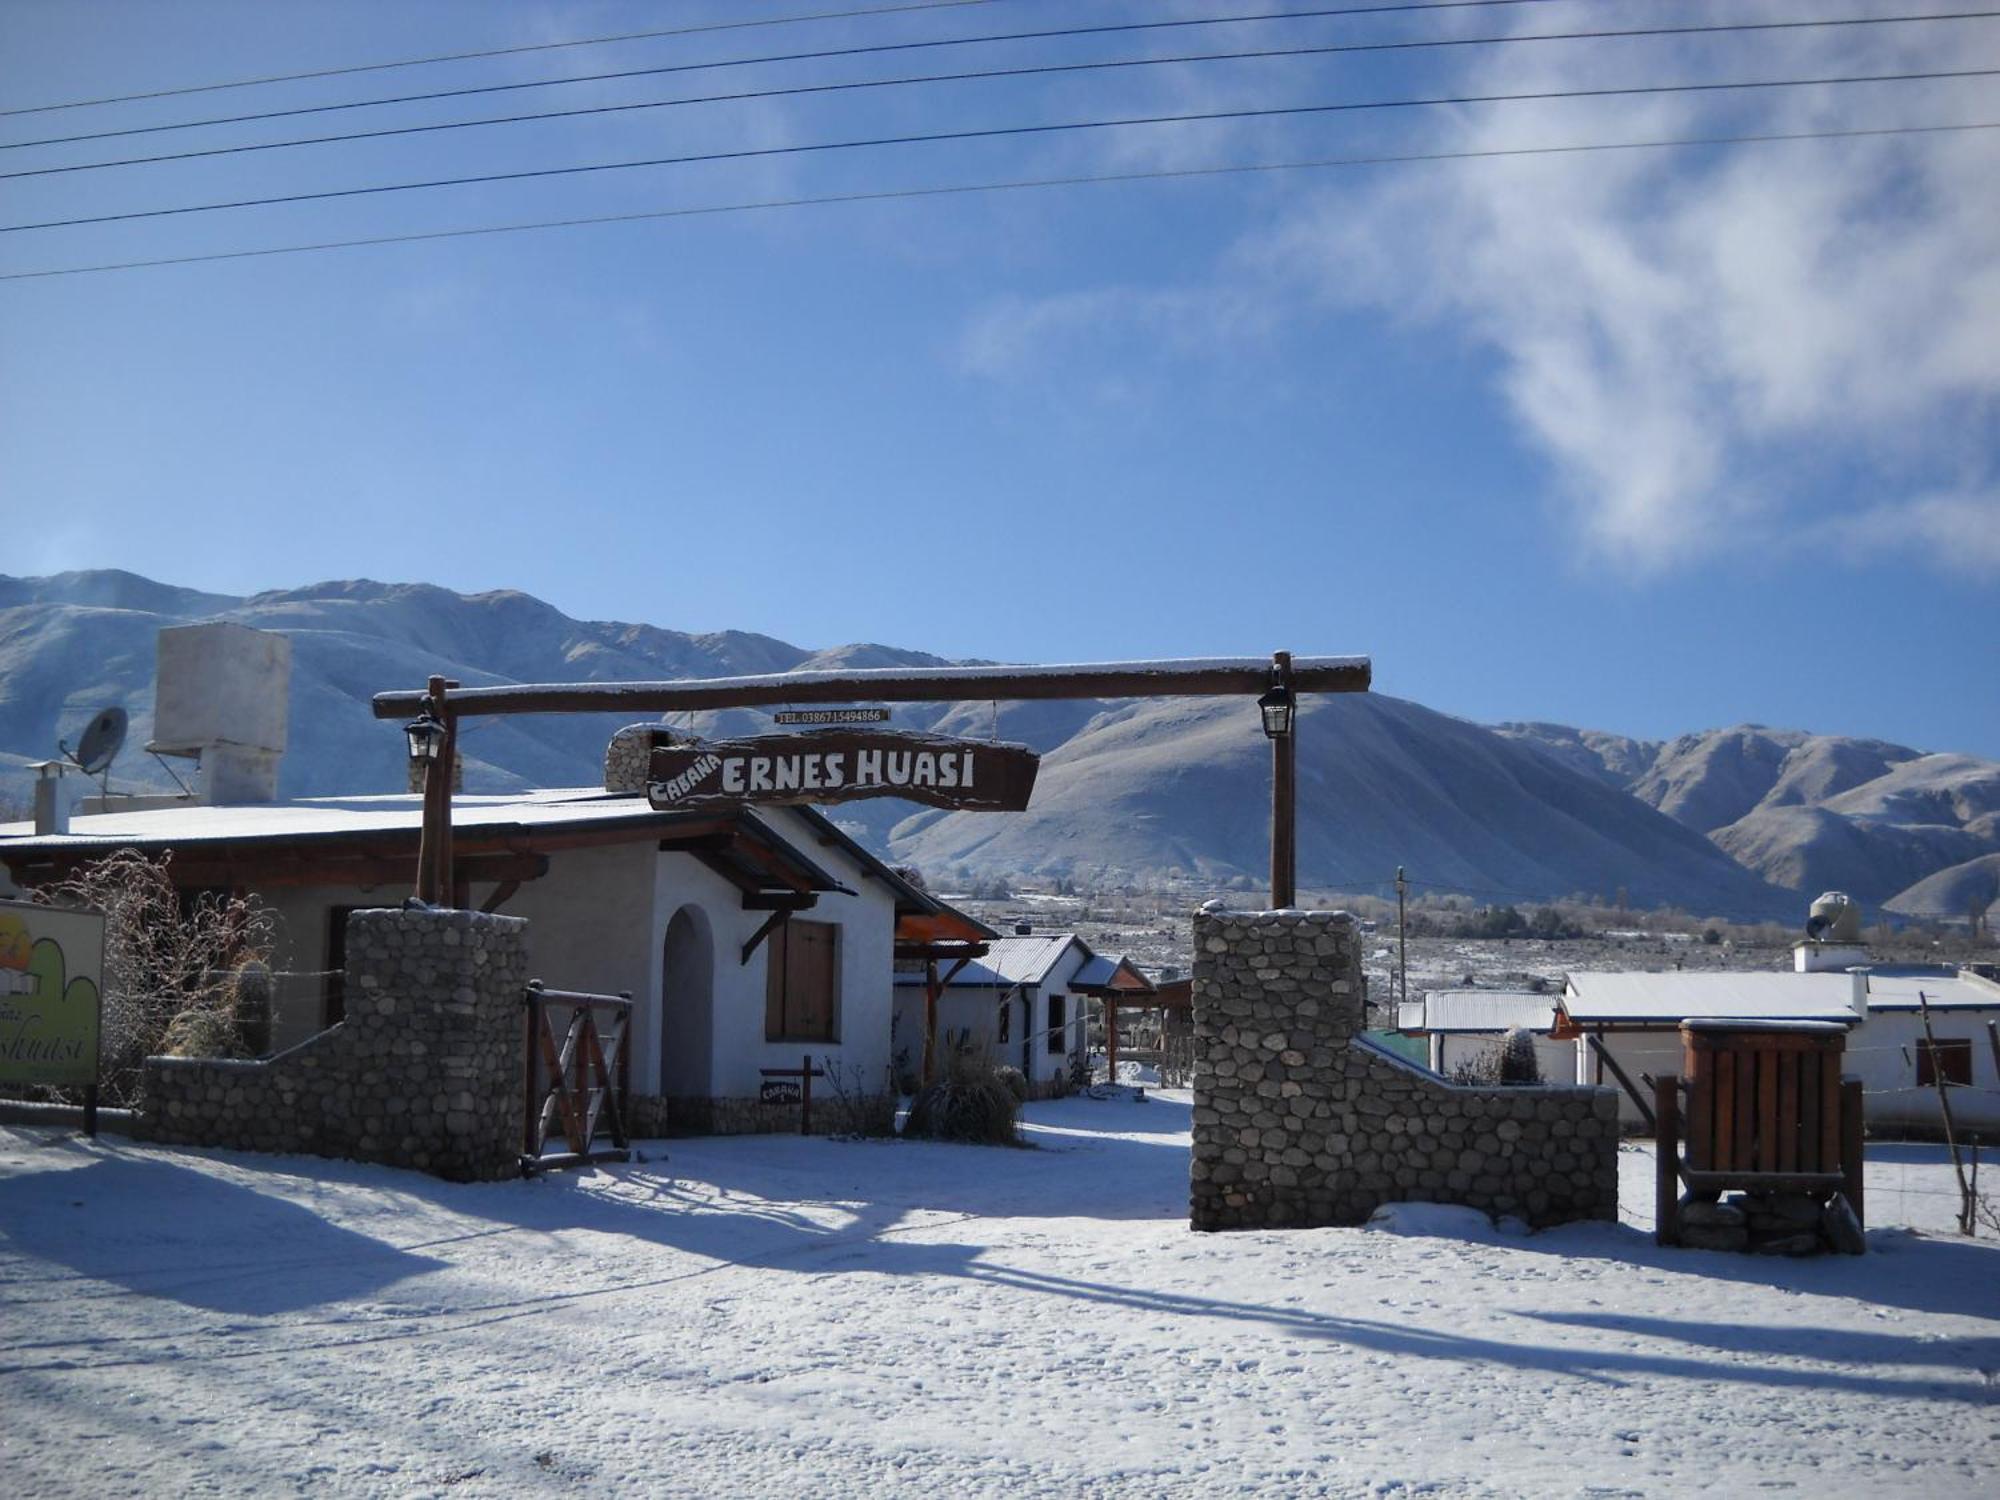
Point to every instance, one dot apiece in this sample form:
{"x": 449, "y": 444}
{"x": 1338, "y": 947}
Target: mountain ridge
{"x": 1739, "y": 820}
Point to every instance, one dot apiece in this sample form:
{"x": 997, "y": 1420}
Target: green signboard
{"x": 51, "y": 972}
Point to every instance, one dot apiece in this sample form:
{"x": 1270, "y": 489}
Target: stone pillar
{"x": 1299, "y": 1120}
{"x": 438, "y": 995}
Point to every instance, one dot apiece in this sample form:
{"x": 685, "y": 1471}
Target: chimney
{"x": 220, "y": 700}
{"x": 1858, "y": 1000}
{"x": 51, "y": 806}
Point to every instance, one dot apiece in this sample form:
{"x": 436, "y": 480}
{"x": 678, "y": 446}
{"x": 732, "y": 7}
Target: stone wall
{"x": 424, "y": 1072}
{"x": 1300, "y": 1121}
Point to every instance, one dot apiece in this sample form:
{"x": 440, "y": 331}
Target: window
{"x": 1058, "y": 1005}
{"x": 1951, "y": 1061}
{"x": 802, "y": 983}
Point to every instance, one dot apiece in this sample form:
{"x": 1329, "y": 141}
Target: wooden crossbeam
{"x": 1202, "y": 677}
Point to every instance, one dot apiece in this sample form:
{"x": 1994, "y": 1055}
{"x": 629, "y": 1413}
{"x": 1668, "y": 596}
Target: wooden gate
{"x": 577, "y": 1072}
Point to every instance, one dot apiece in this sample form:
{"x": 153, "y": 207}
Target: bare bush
{"x": 171, "y": 965}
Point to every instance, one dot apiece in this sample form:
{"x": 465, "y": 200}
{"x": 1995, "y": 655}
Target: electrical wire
{"x": 446, "y": 57}
{"x": 989, "y": 133}
{"x": 1032, "y": 70}
{"x": 820, "y": 54}
{"x": 963, "y": 189}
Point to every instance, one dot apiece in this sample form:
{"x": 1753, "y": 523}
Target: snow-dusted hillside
{"x": 1145, "y": 790}
{"x": 1148, "y": 789}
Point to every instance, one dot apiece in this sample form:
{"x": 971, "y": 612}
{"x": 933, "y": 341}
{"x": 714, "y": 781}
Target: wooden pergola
{"x": 1275, "y": 683}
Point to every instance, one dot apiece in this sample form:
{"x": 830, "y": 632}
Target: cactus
{"x": 250, "y": 1005}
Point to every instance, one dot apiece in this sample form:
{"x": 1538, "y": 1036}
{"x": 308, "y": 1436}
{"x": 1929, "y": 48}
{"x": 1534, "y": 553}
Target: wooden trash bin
{"x": 1763, "y": 1108}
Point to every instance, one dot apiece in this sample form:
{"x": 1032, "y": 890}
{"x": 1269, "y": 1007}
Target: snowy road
{"x": 764, "y": 1316}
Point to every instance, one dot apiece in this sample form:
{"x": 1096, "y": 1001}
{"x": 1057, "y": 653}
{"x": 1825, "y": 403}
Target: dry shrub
{"x": 969, "y": 1104}
{"x": 1014, "y": 1081}
{"x": 172, "y": 962}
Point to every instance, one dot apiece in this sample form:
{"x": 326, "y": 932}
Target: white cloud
{"x": 1958, "y": 531}
{"x": 1709, "y": 343}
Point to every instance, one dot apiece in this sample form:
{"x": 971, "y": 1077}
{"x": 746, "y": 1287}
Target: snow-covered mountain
{"x": 1137, "y": 791}
{"x": 1812, "y": 812}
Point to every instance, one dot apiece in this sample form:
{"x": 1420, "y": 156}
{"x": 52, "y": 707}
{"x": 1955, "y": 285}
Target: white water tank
{"x": 221, "y": 699}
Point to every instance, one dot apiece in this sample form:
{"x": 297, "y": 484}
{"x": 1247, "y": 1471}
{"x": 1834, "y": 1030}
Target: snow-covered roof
{"x": 1895, "y": 987}
{"x": 1671, "y": 997}
{"x": 1775, "y": 995}
{"x": 318, "y": 817}
{"x": 1101, "y": 971}
{"x": 1009, "y": 961}
{"x": 1479, "y": 1010}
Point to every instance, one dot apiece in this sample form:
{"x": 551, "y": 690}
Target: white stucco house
{"x": 1023, "y": 1004}
{"x": 747, "y": 938}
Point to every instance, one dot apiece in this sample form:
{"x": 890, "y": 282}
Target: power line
{"x": 990, "y": 133}
{"x": 820, "y": 54}
{"x": 965, "y": 189}
{"x": 445, "y": 57}
{"x": 1020, "y": 72}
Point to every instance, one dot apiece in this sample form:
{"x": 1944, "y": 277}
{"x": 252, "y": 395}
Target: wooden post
{"x": 1111, "y": 1041}
{"x": 531, "y": 1144}
{"x": 1402, "y": 944}
{"x": 1284, "y": 783}
{"x": 427, "y": 834}
{"x": 806, "y": 1095}
{"x": 1850, "y": 1145}
{"x": 1667, "y": 1150}
{"x": 928, "y": 1076}
{"x": 1965, "y": 1214}
{"x": 446, "y": 766}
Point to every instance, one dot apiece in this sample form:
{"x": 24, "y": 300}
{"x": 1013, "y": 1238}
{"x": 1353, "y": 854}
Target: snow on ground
{"x": 767, "y": 1315}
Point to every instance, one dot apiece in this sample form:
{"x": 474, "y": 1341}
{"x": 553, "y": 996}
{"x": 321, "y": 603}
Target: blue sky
{"x": 1647, "y": 441}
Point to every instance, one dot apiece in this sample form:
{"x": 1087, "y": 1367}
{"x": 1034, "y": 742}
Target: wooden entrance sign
{"x": 843, "y": 765}
{"x": 792, "y": 1086}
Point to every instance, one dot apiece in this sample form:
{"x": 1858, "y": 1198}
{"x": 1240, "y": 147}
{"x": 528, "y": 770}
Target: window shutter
{"x": 774, "y": 983}
{"x": 811, "y": 976}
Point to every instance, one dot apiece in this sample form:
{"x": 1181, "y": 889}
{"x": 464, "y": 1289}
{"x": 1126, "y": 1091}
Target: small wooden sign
{"x": 821, "y": 717}
{"x": 843, "y": 765}
{"x": 779, "y": 1091}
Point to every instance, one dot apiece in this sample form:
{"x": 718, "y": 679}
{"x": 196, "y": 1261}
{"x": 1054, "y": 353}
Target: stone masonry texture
{"x": 1299, "y": 1121}
{"x": 424, "y": 1072}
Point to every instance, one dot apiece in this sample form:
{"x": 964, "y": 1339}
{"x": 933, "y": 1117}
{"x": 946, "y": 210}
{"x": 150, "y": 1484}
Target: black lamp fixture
{"x": 426, "y": 737}
{"x": 1277, "y": 707}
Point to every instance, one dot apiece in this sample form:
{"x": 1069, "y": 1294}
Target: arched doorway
{"x": 687, "y": 1039}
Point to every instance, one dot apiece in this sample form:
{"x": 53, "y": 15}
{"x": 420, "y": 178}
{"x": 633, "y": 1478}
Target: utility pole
{"x": 1402, "y": 945}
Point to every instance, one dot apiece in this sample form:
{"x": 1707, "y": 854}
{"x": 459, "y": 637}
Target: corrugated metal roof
{"x": 1670, "y": 998}
{"x": 1010, "y": 961}
{"x": 1481, "y": 1010}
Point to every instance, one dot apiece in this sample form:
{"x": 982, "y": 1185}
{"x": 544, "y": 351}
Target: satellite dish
{"x": 101, "y": 742}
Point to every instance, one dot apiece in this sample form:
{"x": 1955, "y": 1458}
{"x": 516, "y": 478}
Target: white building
{"x": 1466, "y": 1029}
{"x": 1622, "y": 1029}
{"x": 1023, "y": 1004}
{"x": 747, "y": 939}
